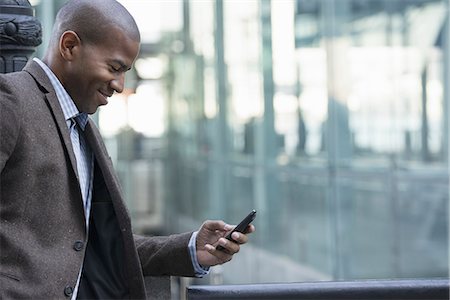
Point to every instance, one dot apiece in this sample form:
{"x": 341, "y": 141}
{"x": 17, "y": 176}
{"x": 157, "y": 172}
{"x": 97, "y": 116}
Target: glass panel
{"x": 358, "y": 115}
{"x": 366, "y": 227}
{"x": 242, "y": 44}
{"x": 422, "y": 210}
{"x": 304, "y": 202}
{"x": 311, "y": 64}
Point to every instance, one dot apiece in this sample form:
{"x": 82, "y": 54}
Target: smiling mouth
{"x": 105, "y": 97}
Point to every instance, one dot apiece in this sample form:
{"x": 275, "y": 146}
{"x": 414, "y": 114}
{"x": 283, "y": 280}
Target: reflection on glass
{"x": 242, "y": 59}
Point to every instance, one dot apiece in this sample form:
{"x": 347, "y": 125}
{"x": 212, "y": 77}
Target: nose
{"x": 117, "y": 84}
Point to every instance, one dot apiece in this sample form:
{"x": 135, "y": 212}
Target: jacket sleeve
{"x": 165, "y": 255}
{"x": 10, "y": 120}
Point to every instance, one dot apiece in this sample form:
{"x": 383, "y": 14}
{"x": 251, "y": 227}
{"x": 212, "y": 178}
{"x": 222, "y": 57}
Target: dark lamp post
{"x": 20, "y": 34}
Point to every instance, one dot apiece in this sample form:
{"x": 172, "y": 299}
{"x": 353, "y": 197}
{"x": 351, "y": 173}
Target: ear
{"x": 69, "y": 45}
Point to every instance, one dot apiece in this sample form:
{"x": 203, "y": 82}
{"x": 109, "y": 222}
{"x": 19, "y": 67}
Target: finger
{"x": 230, "y": 246}
{"x": 239, "y": 238}
{"x": 250, "y": 229}
{"x": 222, "y": 255}
{"x": 215, "y": 225}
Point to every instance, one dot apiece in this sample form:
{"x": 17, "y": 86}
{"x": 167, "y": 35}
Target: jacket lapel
{"x": 52, "y": 100}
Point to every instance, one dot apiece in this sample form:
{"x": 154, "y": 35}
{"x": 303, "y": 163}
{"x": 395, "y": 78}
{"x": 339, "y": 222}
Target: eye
{"x": 114, "y": 69}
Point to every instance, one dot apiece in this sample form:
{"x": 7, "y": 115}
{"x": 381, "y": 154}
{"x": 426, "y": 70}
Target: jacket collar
{"x": 39, "y": 76}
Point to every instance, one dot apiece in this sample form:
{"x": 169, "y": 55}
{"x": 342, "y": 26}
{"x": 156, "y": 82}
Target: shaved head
{"x": 93, "y": 21}
{"x": 93, "y": 44}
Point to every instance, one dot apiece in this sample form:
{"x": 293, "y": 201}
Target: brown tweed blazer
{"x": 41, "y": 210}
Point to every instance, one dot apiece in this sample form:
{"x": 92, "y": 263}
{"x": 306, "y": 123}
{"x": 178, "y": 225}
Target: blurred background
{"x": 329, "y": 117}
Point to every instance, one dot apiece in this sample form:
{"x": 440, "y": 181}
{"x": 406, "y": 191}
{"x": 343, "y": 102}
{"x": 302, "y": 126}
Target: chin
{"x": 92, "y": 111}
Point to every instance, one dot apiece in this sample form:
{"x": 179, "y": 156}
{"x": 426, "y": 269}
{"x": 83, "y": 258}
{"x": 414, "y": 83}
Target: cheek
{"x": 101, "y": 78}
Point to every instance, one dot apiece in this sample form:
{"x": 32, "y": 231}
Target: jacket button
{"x": 68, "y": 291}
{"x": 78, "y": 246}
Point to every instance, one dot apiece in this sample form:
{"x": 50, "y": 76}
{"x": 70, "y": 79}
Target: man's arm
{"x": 170, "y": 255}
{"x": 165, "y": 255}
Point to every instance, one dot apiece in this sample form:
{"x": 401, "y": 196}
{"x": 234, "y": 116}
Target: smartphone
{"x": 240, "y": 227}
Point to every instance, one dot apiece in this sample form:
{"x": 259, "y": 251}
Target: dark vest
{"x": 103, "y": 274}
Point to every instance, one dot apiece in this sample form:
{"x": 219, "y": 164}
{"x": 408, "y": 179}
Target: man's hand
{"x": 210, "y": 235}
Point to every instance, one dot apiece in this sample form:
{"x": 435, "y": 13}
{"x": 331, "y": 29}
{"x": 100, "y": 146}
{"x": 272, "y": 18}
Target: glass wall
{"x": 329, "y": 117}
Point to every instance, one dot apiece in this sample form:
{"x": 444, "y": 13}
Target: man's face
{"x": 99, "y": 71}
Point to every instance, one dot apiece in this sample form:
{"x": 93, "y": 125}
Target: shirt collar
{"x": 68, "y": 107}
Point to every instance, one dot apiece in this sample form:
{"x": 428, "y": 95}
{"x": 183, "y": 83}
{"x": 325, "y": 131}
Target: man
{"x": 65, "y": 231}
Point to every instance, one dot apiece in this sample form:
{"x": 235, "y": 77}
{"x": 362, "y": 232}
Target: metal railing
{"x": 426, "y": 289}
